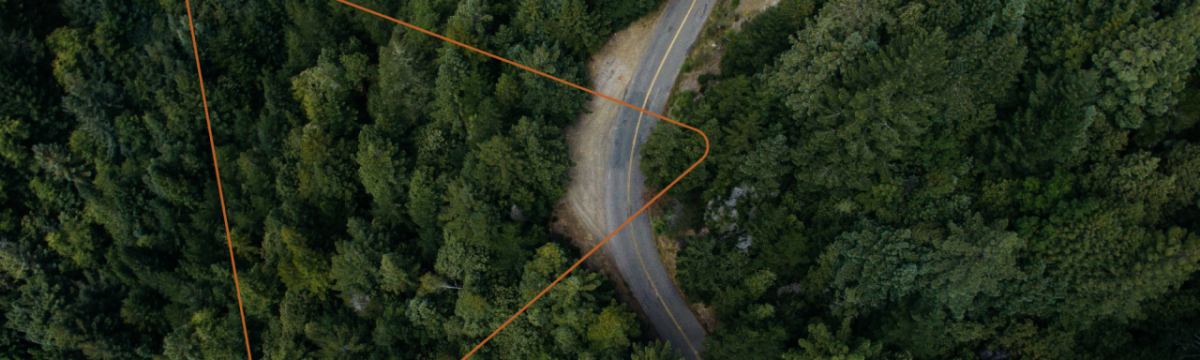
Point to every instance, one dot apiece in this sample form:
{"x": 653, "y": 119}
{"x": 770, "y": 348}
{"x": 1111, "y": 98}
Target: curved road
{"x": 633, "y": 248}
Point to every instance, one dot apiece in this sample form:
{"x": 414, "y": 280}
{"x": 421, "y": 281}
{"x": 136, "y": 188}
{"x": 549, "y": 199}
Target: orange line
{"x": 610, "y": 235}
{"x": 220, "y": 191}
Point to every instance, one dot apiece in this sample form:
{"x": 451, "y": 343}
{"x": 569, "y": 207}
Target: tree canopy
{"x": 368, "y": 170}
{"x": 945, "y": 180}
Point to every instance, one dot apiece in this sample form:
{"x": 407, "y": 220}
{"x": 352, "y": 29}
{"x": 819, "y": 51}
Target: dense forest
{"x": 387, "y": 192}
{"x": 945, "y": 179}
{"x": 889, "y": 180}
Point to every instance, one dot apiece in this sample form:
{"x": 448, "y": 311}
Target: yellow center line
{"x": 629, "y": 172}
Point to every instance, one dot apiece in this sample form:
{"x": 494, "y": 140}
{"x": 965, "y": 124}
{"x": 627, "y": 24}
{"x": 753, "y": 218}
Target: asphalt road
{"x": 633, "y": 248}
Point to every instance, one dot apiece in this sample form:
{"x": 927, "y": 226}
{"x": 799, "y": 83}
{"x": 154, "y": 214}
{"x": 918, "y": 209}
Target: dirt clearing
{"x": 610, "y": 71}
{"x": 580, "y": 214}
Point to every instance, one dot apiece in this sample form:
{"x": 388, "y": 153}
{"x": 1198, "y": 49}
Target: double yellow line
{"x": 629, "y": 174}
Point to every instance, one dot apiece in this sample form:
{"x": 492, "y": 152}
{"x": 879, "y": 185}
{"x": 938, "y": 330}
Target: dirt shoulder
{"x": 580, "y": 214}
{"x": 611, "y": 71}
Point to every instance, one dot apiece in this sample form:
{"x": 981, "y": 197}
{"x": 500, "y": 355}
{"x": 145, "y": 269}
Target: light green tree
{"x": 1145, "y": 66}
{"x": 824, "y": 345}
{"x": 654, "y": 351}
{"x": 324, "y": 89}
{"x": 381, "y": 168}
{"x": 877, "y": 265}
{"x": 400, "y": 93}
{"x": 302, "y": 267}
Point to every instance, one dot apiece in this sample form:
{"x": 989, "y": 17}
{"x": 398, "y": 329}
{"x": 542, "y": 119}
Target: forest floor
{"x": 580, "y": 214}
{"x": 705, "y": 55}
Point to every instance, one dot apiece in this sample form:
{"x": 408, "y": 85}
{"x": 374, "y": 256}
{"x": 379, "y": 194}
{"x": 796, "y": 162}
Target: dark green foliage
{"x": 744, "y": 343}
{"x": 763, "y": 38}
{"x": 718, "y": 273}
{"x": 387, "y": 194}
{"x": 1055, "y": 125}
{"x": 946, "y": 180}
